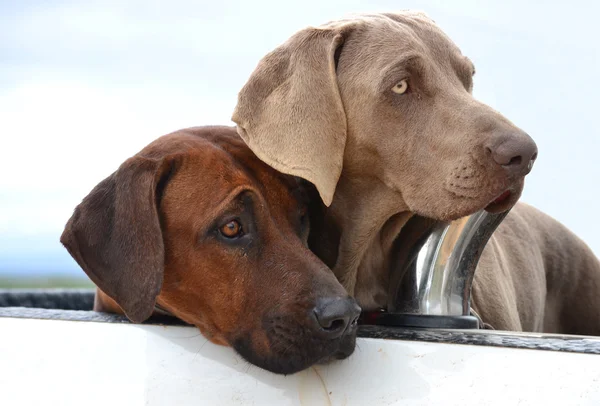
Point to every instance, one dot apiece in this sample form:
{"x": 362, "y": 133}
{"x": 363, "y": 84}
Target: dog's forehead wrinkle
{"x": 388, "y": 43}
{"x": 251, "y": 170}
{"x": 378, "y": 55}
{"x": 271, "y": 204}
{"x": 429, "y": 40}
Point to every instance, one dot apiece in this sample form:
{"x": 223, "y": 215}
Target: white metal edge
{"x": 55, "y": 362}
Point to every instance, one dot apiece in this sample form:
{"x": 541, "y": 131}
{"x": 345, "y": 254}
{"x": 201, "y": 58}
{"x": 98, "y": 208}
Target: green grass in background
{"x": 52, "y": 281}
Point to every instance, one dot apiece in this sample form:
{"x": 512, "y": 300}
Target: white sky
{"x": 84, "y": 85}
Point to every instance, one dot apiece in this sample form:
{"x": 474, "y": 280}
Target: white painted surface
{"x": 44, "y": 362}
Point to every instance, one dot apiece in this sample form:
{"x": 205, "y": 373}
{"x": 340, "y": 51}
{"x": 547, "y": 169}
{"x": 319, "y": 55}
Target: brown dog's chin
{"x": 295, "y": 358}
{"x": 284, "y": 346}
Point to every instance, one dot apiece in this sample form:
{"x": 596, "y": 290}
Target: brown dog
{"x": 196, "y": 224}
{"x": 376, "y": 111}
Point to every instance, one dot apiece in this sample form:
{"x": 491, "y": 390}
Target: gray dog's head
{"x": 388, "y": 97}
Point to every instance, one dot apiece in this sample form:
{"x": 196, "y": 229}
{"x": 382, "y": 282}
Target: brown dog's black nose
{"x": 335, "y": 315}
{"x": 515, "y": 152}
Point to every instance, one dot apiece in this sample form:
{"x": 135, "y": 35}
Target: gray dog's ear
{"x": 115, "y": 236}
{"x": 290, "y": 112}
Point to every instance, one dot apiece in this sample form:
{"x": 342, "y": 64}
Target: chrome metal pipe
{"x": 446, "y": 263}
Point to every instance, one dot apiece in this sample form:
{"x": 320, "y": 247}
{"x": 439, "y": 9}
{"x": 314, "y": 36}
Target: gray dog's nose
{"x": 335, "y": 315}
{"x": 514, "y": 152}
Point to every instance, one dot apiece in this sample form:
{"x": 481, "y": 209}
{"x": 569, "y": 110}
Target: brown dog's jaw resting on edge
{"x": 376, "y": 112}
{"x": 196, "y": 224}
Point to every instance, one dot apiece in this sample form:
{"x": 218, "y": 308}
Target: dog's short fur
{"x": 377, "y": 112}
{"x": 152, "y": 233}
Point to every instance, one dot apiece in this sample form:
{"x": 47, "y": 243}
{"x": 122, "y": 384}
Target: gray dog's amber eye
{"x": 400, "y": 87}
{"x": 232, "y": 229}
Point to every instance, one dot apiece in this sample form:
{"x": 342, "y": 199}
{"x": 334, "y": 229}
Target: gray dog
{"x": 377, "y": 113}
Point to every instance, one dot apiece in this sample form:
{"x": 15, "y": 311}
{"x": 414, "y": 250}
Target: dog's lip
{"x": 502, "y": 197}
{"x": 498, "y": 203}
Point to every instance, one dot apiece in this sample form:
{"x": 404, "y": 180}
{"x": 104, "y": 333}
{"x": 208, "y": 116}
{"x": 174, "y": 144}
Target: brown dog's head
{"x": 386, "y": 97}
{"x": 198, "y": 225}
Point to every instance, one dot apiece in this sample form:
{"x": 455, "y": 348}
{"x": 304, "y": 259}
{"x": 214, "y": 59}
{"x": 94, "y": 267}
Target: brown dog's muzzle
{"x": 334, "y": 316}
{"x": 315, "y": 322}
{"x": 294, "y": 343}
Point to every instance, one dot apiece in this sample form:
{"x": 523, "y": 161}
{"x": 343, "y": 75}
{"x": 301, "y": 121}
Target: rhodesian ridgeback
{"x": 197, "y": 226}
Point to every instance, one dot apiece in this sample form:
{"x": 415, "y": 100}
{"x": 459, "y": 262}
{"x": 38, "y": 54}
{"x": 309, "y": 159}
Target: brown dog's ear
{"x": 114, "y": 234}
{"x": 290, "y": 112}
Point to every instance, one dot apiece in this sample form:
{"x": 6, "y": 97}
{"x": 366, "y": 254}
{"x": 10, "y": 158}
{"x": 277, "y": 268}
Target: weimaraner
{"x": 377, "y": 112}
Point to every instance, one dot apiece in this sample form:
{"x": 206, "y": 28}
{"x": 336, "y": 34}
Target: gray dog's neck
{"x": 355, "y": 236}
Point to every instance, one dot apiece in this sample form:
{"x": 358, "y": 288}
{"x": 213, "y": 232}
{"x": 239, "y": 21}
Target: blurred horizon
{"x": 85, "y": 85}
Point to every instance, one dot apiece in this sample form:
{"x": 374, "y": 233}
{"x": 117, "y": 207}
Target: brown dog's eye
{"x": 400, "y": 87}
{"x": 232, "y": 229}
